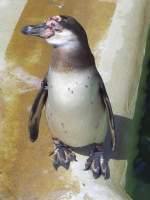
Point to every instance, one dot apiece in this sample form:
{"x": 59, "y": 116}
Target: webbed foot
{"x": 97, "y": 163}
{"x": 63, "y": 155}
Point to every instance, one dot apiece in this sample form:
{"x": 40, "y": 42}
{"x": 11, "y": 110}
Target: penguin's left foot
{"x": 63, "y": 155}
{"x": 97, "y": 163}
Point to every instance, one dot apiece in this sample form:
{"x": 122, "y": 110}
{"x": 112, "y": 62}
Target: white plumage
{"x": 74, "y": 109}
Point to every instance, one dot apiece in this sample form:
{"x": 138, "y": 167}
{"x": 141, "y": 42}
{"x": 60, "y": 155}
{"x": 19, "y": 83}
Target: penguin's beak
{"x": 34, "y": 30}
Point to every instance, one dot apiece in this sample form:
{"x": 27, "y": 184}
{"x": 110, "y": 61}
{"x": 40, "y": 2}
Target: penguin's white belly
{"x": 74, "y": 110}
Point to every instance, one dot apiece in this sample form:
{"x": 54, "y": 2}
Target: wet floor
{"x": 26, "y": 169}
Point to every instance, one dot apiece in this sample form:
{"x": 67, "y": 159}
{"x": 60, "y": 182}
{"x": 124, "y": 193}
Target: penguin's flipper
{"x": 36, "y": 111}
{"x": 107, "y": 104}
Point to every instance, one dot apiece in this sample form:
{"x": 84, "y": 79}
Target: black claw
{"x": 88, "y": 163}
{"x": 96, "y": 174}
{"x": 105, "y": 169}
{"x": 56, "y": 162}
{"x": 73, "y": 157}
{"x": 95, "y": 167}
{"x": 66, "y": 165}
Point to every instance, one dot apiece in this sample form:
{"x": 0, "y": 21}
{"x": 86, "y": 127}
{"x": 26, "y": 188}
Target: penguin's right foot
{"x": 63, "y": 155}
{"x": 97, "y": 163}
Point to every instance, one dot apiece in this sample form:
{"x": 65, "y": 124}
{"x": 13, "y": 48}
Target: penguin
{"x": 76, "y": 102}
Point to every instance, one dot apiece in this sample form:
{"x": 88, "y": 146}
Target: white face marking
{"x": 65, "y": 37}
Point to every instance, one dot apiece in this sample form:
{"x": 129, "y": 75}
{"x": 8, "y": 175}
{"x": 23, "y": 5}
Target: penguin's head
{"x": 58, "y": 31}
